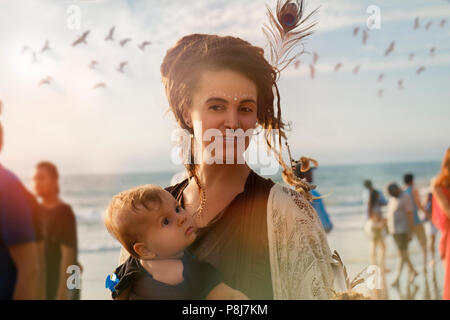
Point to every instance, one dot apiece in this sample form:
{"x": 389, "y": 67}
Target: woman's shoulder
{"x": 283, "y": 195}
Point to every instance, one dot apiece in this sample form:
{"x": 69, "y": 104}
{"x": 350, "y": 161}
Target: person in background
{"x": 418, "y": 230}
{"x": 433, "y": 230}
{"x": 318, "y": 204}
{"x": 20, "y": 272}
{"x": 400, "y": 224}
{"x": 375, "y": 224}
{"x": 59, "y": 232}
{"x": 441, "y": 217}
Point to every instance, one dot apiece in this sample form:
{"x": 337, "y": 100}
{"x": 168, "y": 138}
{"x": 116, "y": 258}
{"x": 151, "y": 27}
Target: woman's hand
{"x": 224, "y": 292}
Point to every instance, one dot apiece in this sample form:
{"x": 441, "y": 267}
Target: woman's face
{"x": 223, "y": 100}
{"x": 43, "y": 184}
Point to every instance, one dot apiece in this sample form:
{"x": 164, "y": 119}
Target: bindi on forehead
{"x": 234, "y": 96}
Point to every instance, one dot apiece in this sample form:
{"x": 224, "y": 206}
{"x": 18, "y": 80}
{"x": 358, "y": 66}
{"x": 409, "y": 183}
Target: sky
{"x": 336, "y": 118}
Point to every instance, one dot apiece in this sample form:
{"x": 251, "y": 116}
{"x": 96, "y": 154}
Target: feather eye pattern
{"x": 287, "y": 27}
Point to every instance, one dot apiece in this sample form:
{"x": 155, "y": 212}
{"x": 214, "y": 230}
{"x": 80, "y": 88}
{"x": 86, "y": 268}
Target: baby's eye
{"x": 177, "y": 209}
{"x": 165, "y": 221}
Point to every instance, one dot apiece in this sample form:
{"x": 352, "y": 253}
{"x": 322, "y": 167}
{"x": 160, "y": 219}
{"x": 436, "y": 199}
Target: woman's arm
{"x": 301, "y": 262}
{"x": 67, "y": 259}
{"x": 224, "y": 292}
{"x": 441, "y": 199}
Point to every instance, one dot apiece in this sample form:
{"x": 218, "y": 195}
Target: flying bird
{"x": 93, "y": 64}
{"x": 380, "y": 93}
{"x": 34, "y": 57}
{"x": 312, "y": 71}
{"x": 355, "y": 31}
{"x": 81, "y": 39}
{"x": 99, "y": 85}
{"x": 356, "y": 69}
{"x": 380, "y": 77}
{"x": 389, "y": 49}
{"x": 420, "y": 70}
{"x": 443, "y": 22}
{"x": 428, "y": 25}
{"x": 121, "y": 66}
{"x": 124, "y": 41}
{"x": 296, "y": 64}
{"x": 432, "y": 51}
{"x": 143, "y": 44}
{"x": 416, "y": 23}
{"x": 365, "y": 36}
{"x": 25, "y": 48}
{"x": 315, "y": 58}
{"x": 411, "y": 56}
{"x": 400, "y": 84}
{"x": 45, "y": 47}
{"x": 110, "y": 35}
{"x": 337, "y": 67}
{"x": 46, "y": 80}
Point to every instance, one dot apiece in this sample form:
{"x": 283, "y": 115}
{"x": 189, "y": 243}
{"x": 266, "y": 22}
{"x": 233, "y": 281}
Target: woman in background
{"x": 60, "y": 236}
{"x": 441, "y": 217}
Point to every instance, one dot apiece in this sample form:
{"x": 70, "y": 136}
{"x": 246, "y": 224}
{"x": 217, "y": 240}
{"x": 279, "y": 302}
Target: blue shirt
{"x": 16, "y": 227}
{"x": 319, "y": 206}
{"x": 415, "y": 211}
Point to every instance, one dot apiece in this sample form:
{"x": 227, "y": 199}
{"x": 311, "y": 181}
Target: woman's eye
{"x": 177, "y": 209}
{"x": 165, "y": 221}
{"x": 246, "y": 109}
{"x": 216, "y": 107}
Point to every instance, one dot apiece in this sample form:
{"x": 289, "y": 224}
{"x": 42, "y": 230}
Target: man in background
{"x": 418, "y": 229}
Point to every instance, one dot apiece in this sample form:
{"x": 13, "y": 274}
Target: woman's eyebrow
{"x": 226, "y": 101}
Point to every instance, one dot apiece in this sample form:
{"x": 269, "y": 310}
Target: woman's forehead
{"x": 225, "y": 84}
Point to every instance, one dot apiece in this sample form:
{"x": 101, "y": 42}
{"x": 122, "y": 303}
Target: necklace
{"x": 199, "y": 211}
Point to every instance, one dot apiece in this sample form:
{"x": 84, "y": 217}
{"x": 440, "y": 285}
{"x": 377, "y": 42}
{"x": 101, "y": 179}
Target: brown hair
{"x": 192, "y": 54}
{"x": 443, "y": 178}
{"x": 51, "y": 169}
{"x": 127, "y": 214}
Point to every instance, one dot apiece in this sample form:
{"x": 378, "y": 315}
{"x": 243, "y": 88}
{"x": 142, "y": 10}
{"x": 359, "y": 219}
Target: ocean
{"x": 342, "y": 187}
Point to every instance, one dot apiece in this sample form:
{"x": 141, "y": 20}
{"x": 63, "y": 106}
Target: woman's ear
{"x": 143, "y": 251}
{"x": 187, "y": 118}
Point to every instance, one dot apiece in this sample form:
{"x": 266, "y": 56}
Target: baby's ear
{"x": 143, "y": 251}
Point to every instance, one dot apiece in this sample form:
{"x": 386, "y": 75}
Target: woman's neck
{"x": 50, "y": 201}
{"x": 223, "y": 174}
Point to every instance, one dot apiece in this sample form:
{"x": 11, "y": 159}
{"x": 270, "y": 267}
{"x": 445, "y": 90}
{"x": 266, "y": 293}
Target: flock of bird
{"x": 389, "y": 50}
{"x": 93, "y": 64}
{"x": 312, "y": 69}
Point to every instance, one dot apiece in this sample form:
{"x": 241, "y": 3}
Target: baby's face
{"x": 171, "y": 228}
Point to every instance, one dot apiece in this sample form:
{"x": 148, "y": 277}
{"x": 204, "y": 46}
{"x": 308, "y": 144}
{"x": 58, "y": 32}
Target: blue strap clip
{"x": 111, "y": 282}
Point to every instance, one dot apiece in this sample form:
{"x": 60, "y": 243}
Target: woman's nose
{"x": 232, "y": 121}
{"x": 181, "y": 219}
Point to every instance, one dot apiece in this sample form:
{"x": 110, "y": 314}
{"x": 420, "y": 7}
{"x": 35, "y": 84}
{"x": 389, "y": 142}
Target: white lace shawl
{"x": 300, "y": 258}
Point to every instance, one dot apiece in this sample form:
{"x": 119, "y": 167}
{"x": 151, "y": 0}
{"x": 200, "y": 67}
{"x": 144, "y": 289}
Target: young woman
{"x": 60, "y": 235}
{"x": 441, "y": 216}
{"x": 265, "y": 238}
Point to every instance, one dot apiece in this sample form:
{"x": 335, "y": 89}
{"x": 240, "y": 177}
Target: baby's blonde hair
{"x": 128, "y": 214}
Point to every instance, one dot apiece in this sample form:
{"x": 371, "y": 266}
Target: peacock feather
{"x": 287, "y": 27}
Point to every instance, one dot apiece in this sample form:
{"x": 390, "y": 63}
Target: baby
{"x": 155, "y": 230}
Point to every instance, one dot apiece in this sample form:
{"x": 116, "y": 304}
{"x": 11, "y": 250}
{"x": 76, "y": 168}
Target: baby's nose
{"x": 181, "y": 219}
